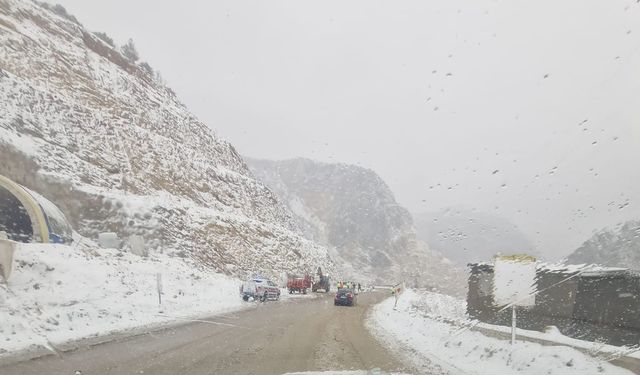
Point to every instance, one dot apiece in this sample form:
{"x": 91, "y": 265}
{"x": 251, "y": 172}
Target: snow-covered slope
{"x": 116, "y": 150}
{"x": 59, "y": 293}
{"x": 352, "y": 210}
{"x": 619, "y": 247}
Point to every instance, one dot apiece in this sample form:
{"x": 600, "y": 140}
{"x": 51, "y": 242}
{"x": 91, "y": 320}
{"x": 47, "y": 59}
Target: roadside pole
{"x": 395, "y": 294}
{"x": 159, "y": 284}
{"x": 513, "y": 324}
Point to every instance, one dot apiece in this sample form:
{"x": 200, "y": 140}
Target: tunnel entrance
{"x": 14, "y": 219}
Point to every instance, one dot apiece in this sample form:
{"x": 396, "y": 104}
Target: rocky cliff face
{"x": 619, "y": 247}
{"x": 117, "y": 151}
{"x": 351, "y": 210}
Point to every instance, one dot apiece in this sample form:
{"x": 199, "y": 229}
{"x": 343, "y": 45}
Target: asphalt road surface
{"x": 271, "y": 338}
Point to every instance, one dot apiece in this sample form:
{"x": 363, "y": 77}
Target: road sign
{"x": 514, "y": 284}
{"x": 514, "y": 280}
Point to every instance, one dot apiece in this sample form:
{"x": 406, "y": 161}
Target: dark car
{"x": 345, "y": 297}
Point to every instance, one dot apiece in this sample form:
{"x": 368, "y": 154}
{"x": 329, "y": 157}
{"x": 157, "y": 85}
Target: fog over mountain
{"x": 528, "y": 110}
{"x": 465, "y": 236}
{"x": 352, "y": 211}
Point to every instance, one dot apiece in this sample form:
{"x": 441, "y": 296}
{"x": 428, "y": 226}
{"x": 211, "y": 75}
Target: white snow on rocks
{"x": 117, "y": 151}
{"x": 427, "y": 328}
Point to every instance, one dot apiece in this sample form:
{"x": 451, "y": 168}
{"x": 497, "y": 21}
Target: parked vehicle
{"x": 345, "y": 297}
{"x": 322, "y": 283}
{"x": 299, "y": 284}
{"x": 259, "y": 289}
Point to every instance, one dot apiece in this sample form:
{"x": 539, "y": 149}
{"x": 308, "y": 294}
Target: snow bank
{"x": 426, "y": 328}
{"x": 59, "y": 293}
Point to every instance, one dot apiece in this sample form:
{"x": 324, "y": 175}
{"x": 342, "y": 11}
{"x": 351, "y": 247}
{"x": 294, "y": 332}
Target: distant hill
{"x": 618, "y": 247}
{"x": 352, "y": 210}
{"x": 466, "y": 236}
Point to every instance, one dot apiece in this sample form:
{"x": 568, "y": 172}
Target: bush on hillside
{"x": 147, "y": 68}
{"x": 105, "y": 38}
{"x": 130, "y": 52}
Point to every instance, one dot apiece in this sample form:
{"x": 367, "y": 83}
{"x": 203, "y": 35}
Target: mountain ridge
{"x": 352, "y": 211}
{"x": 615, "y": 247}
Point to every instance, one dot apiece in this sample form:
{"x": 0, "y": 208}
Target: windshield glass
{"x": 340, "y": 187}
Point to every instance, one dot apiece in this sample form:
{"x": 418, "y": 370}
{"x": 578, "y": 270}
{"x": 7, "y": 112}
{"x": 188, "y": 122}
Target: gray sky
{"x": 433, "y": 95}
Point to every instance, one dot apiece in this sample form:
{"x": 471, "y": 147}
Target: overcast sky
{"x": 526, "y": 109}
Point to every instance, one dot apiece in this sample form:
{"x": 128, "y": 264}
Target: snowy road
{"x": 274, "y": 338}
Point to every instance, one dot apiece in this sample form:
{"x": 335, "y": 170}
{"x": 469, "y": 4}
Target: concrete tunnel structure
{"x": 27, "y": 216}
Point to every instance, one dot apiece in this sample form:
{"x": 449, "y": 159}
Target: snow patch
{"x": 59, "y": 293}
{"x": 427, "y": 328}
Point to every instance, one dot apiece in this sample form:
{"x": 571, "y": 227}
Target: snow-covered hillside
{"x": 352, "y": 210}
{"x": 59, "y": 293}
{"x": 619, "y": 247}
{"x": 115, "y": 149}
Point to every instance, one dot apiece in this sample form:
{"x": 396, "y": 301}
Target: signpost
{"x": 159, "y": 284}
{"x": 514, "y": 284}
